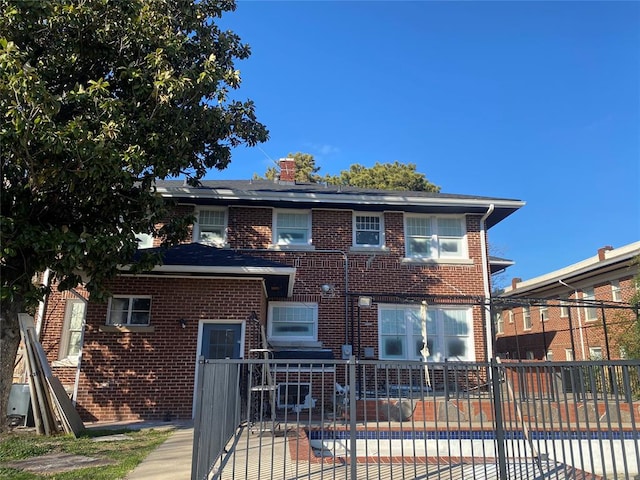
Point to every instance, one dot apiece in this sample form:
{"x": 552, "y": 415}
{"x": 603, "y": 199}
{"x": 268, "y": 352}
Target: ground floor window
{"x": 292, "y": 394}
{"x": 449, "y": 332}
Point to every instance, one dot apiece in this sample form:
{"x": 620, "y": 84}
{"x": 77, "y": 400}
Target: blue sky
{"x": 536, "y": 101}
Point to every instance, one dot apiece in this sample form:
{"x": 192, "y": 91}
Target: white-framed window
{"x": 544, "y": 313}
{"x": 435, "y": 237}
{"x": 564, "y": 308}
{"x": 568, "y": 355}
{"x": 368, "y": 229}
{"x": 530, "y": 354}
{"x": 292, "y": 394}
{"x": 71, "y": 338}
{"x": 526, "y": 318}
{"x": 595, "y": 353}
{"x": 499, "y": 323}
{"x": 510, "y": 316}
{"x": 293, "y": 321}
{"x": 145, "y": 240}
{"x": 129, "y": 310}
{"x": 292, "y": 227}
{"x": 590, "y": 313}
{"x": 549, "y": 355}
{"x": 449, "y": 333}
{"x": 616, "y": 292}
{"x": 211, "y": 226}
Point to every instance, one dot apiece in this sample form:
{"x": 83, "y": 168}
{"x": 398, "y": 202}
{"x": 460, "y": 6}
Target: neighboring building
{"x": 325, "y": 270}
{"x": 575, "y": 313}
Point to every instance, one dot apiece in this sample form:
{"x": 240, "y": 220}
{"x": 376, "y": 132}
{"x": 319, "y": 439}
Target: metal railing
{"x": 377, "y": 420}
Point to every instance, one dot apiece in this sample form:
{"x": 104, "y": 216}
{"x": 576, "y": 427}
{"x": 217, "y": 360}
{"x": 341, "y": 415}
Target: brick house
{"x": 575, "y": 313}
{"x": 322, "y": 269}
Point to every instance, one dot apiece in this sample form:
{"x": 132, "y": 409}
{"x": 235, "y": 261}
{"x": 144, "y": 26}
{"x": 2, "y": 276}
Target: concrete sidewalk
{"x": 170, "y": 461}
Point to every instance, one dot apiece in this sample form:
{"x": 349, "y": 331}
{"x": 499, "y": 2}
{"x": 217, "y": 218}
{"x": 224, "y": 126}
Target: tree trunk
{"x": 9, "y": 343}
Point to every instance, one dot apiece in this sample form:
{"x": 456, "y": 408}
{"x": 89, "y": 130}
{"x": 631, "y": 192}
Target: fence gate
{"x": 361, "y": 419}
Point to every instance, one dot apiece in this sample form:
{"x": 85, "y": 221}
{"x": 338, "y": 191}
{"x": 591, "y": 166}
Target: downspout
{"x": 76, "y": 382}
{"x": 485, "y": 281}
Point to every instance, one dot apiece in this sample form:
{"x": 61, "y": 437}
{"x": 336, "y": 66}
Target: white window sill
{"x": 126, "y": 328}
{"x": 358, "y": 249}
{"x": 65, "y": 362}
{"x": 438, "y": 261}
{"x": 297, "y": 344}
{"x": 292, "y": 246}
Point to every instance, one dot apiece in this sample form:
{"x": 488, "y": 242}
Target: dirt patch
{"x": 57, "y": 463}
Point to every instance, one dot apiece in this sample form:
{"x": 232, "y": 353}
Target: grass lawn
{"x": 125, "y": 454}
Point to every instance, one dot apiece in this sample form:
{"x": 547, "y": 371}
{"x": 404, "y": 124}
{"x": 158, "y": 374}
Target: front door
{"x": 221, "y": 340}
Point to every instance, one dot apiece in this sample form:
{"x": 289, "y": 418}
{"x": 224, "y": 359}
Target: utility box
{"x": 19, "y": 407}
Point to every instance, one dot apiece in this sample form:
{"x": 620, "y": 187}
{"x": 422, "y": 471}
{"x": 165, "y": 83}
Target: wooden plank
{"x": 69, "y": 416}
{"x": 43, "y": 407}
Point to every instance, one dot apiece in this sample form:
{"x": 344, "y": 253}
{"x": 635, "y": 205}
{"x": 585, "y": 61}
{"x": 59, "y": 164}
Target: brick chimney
{"x": 287, "y": 170}
{"x": 602, "y": 252}
{"x": 514, "y": 282}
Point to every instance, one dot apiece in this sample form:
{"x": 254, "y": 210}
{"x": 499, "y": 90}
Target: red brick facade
{"x": 149, "y": 372}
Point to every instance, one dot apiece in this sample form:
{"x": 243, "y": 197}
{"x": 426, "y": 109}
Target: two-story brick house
{"x": 319, "y": 267}
{"x": 574, "y": 313}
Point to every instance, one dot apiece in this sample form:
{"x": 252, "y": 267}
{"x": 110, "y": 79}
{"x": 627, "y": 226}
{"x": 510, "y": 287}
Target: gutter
{"x": 485, "y": 282}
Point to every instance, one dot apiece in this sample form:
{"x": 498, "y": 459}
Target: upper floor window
{"x": 368, "y": 230}
{"x": 590, "y": 313}
{"x": 510, "y": 316}
{"x": 293, "y": 321}
{"x": 292, "y": 227}
{"x": 526, "y": 318}
{"x": 564, "y": 308}
{"x": 499, "y": 323}
{"x": 544, "y": 313}
{"x": 125, "y": 310}
{"x": 616, "y": 293}
{"x": 71, "y": 339}
{"x": 448, "y": 331}
{"x": 211, "y": 226}
{"x": 145, "y": 240}
{"x": 435, "y": 237}
{"x": 595, "y": 353}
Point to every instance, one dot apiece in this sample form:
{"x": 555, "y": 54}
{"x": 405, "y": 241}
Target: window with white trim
{"x": 128, "y": 310}
{"x": 435, "y": 237}
{"x": 568, "y": 355}
{"x": 145, "y": 240}
{"x": 211, "y": 226}
{"x": 292, "y": 227}
{"x": 526, "y": 318}
{"x": 71, "y": 339}
{"x": 544, "y": 313}
{"x": 368, "y": 230}
{"x": 510, "y": 316}
{"x": 293, "y": 321}
{"x": 564, "y": 308}
{"x": 590, "y": 313}
{"x": 449, "y": 333}
{"x": 550, "y": 355}
{"x": 616, "y": 292}
{"x": 595, "y": 353}
{"x": 499, "y": 323}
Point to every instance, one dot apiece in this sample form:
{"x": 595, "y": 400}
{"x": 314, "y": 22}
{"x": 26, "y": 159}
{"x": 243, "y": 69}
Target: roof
{"x": 316, "y": 195}
{"x": 196, "y": 259}
{"x": 613, "y": 259}
{"x": 498, "y": 264}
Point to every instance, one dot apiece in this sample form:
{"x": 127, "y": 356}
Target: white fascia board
{"x": 617, "y": 255}
{"x": 294, "y": 197}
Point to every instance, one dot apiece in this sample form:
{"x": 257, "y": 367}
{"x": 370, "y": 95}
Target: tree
{"x": 306, "y": 170}
{"x": 100, "y": 99}
{"x": 384, "y": 176}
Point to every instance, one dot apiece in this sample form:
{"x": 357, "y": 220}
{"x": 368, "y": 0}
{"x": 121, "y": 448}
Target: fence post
{"x": 195, "y": 453}
{"x": 352, "y": 418}
{"x": 496, "y": 378}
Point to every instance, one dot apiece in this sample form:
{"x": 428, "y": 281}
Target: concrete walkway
{"x": 170, "y": 461}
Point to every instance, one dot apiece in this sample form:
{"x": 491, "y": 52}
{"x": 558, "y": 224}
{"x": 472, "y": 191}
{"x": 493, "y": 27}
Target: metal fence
{"x": 386, "y": 420}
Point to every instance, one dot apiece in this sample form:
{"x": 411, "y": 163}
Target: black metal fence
{"x": 377, "y": 420}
